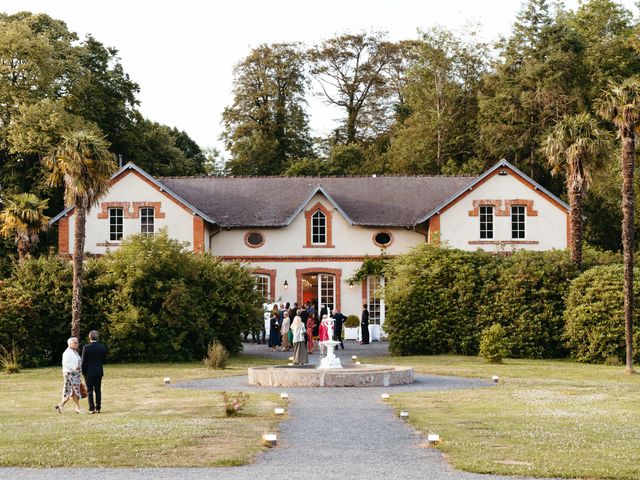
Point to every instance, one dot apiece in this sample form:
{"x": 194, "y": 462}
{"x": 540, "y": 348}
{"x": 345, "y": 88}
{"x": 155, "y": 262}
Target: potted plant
{"x": 351, "y": 326}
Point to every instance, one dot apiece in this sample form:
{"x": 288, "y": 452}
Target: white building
{"x": 306, "y": 236}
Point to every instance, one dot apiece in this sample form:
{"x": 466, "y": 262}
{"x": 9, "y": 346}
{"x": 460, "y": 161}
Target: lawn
{"x": 545, "y": 418}
{"x": 143, "y": 422}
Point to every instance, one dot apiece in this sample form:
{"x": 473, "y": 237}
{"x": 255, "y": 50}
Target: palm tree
{"x": 621, "y": 105}
{"x": 83, "y": 163}
{"x": 23, "y": 218}
{"x": 576, "y": 145}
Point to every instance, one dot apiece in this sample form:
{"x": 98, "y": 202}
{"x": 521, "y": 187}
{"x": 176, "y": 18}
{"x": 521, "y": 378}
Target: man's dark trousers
{"x": 94, "y": 385}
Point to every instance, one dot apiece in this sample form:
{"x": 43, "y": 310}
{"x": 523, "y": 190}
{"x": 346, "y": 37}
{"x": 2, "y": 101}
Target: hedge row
{"x": 439, "y": 300}
{"x": 151, "y": 301}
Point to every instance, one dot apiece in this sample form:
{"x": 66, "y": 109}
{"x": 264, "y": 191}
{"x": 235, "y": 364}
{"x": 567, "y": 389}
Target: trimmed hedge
{"x": 439, "y": 300}
{"x": 595, "y": 328}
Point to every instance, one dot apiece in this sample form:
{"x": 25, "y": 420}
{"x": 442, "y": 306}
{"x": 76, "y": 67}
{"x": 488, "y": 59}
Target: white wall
{"x": 131, "y": 188}
{"x": 548, "y": 228}
{"x": 347, "y": 239}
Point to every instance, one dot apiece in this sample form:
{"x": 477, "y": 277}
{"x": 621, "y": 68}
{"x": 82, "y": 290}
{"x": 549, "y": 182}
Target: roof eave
{"x": 162, "y": 187}
{"x": 502, "y": 163}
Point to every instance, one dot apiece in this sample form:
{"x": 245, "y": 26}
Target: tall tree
{"x": 621, "y": 105}
{"x": 266, "y": 127}
{"x": 576, "y": 146}
{"x": 23, "y": 219}
{"x": 441, "y": 100}
{"x": 538, "y": 79}
{"x": 83, "y": 163}
{"x": 350, "y": 69}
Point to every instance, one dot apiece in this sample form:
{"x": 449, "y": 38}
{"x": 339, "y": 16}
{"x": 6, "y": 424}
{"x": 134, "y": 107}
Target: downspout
{"x": 213, "y": 235}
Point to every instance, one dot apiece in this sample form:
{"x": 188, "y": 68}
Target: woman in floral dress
{"x": 71, "y": 367}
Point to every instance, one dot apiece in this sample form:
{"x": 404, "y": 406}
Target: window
{"x": 486, "y": 221}
{"x": 318, "y": 228}
{"x": 115, "y": 224}
{"x": 517, "y": 221}
{"x": 254, "y": 239}
{"x": 375, "y": 283}
{"x": 263, "y": 285}
{"x": 382, "y": 239}
{"x": 147, "y": 217}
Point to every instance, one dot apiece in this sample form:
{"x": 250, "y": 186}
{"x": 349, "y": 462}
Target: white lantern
{"x": 278, "y": 411}
{"x": 167, "y": 380}
{"x": 404, "y": 414}
{"x": 384, "y": 396}
{"x": 284, "y": 395}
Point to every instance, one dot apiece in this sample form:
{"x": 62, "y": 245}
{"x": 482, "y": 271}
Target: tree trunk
{"x": 575, "y": 201}
{"x": 628, "y": 205}
{"x": 78, "y": 260}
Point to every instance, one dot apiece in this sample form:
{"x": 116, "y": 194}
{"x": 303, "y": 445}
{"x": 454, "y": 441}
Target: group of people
{"x": 90, "y": 364}
{"x": 308, "y": 326}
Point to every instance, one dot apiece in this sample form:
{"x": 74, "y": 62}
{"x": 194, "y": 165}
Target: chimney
{"x": 120, "y": 160}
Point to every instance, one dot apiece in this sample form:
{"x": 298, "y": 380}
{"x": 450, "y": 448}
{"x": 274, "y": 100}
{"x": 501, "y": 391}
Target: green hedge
{"x": 151, "y": 300}
{"x": 595, "y": 327}
{"x": 439, "y": 300}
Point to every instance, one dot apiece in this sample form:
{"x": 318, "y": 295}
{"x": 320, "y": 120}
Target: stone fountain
{"x": 330, "y": 372}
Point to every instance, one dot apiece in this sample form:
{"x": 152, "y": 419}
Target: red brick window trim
{"x": 271, "y": 273}
{"x": 129, "y": 209}
{"x": 328, "y": 215}
{"x": 503, "y": 211}
{"x": 336, "y": 272}
{"x": 253, "y": 233}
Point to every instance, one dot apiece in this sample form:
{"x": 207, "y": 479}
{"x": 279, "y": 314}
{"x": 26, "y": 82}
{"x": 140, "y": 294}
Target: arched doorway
{"x": 319, "y": 285}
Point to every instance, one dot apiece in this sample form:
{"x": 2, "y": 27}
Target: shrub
{"x": 352, "y": 321}
{"x": 10, "y": 359}
{"x": 493, "y": 346}
{"x": 167, "y": 304}
{"x": 526, "y": 295}
{"x": 217, "y": 356}
{"x": 595, "y": 327}
{"x": 234, "y": 404}
{"x": 432, "y": 297}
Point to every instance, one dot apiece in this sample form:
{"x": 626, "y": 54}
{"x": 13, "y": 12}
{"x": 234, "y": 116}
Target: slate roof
{"x": 275, "y": 201}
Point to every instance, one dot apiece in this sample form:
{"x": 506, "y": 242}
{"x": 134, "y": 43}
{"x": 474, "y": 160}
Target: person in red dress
{"x": 311, "y": 323}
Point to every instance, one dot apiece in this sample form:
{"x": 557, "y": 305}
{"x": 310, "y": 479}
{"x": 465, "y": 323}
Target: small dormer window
{"x": 318, "y": 228}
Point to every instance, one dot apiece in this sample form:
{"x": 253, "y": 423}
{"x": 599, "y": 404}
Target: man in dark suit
{"x": 93, "y": 357}
{"x": 364, "y": 326}
{"x": 338, "y": 321}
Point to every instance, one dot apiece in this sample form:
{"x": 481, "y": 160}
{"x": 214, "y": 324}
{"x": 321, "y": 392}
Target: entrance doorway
{"x": 319, "y": 288}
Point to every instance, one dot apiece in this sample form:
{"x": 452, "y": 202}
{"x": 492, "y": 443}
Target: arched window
{"x": 318, "y": 228}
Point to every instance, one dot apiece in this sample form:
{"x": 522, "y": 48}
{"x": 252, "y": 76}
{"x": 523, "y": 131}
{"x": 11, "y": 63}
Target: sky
{"x": 182, "y": 53}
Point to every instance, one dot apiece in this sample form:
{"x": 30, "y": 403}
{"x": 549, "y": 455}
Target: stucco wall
{"x": 547, "y": 230}
{"x": 131, "y": 188}
{"x": 347, "y": 239}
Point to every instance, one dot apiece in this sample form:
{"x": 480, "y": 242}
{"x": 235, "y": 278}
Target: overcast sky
{"x": 182, "y": 52}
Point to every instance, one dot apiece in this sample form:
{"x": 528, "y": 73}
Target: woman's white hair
{"x": 71, "y": 340}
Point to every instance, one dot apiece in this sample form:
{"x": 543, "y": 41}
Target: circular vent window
{"x": 382, "y": 239}
{"x": 254, "y": 239}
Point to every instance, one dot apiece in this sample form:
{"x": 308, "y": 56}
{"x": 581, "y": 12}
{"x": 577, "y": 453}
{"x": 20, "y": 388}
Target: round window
{"x": 383, "y": 238}
{"x": 254, "y": 239}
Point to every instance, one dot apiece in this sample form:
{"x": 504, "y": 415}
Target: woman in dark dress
{"x": 274, "y": 329}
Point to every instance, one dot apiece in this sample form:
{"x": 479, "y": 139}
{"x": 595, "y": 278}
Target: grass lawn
{"x": 544, "y": 418}
{"x": 143, "y": 422}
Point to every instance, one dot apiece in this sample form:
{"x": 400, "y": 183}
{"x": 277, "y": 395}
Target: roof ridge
{"x": 178, "y": 177}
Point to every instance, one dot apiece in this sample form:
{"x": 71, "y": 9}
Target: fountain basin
{"x": 347, "y": 376}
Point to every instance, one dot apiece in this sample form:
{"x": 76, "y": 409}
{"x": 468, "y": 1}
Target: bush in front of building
{"x": 595, "y": 327}
{"x": 168, "y": 304}
{"x": 493, "y": 345}
{"x": 526, "y": 296}
{"x": 35, "y": 309}
{"x": 432, "y": 298}
{"x": 439, "y": 300}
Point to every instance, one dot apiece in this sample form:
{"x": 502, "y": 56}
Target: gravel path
{"x": 331, "y": 433}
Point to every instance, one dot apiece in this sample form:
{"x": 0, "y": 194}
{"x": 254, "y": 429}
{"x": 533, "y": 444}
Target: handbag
{"x": 83, "y": 390}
